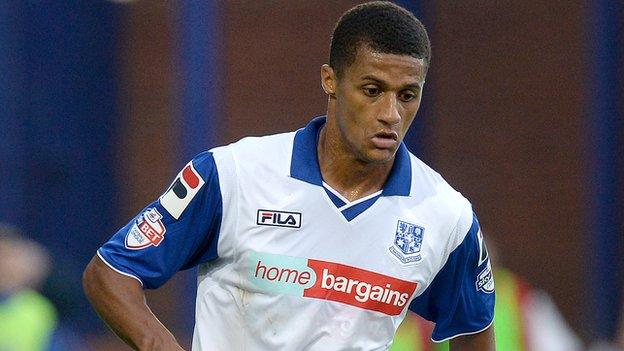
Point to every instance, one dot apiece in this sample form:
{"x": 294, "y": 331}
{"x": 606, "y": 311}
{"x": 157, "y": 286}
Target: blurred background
{"x": 102, "y": 102}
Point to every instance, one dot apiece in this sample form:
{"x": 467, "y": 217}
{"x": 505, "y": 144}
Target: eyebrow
{"x": 384, "y": 83}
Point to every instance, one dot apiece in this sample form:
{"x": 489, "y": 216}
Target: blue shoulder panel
{"x": 176, "y": 232}
{"x": 460, "y": 300}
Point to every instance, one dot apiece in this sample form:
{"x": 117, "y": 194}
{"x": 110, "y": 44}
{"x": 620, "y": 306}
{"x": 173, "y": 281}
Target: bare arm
{"x": 483, "y": 341}
{"x": 120, "y": 302}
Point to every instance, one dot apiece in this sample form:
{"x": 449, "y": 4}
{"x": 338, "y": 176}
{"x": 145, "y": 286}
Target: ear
{"x": 328, "y": 80}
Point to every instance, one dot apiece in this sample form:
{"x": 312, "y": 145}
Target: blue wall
{"x": 58, "y": 150}
{"x": 418, "y": 131}
{"x": 605, "y": 175}
{"x": 200, "y": 94}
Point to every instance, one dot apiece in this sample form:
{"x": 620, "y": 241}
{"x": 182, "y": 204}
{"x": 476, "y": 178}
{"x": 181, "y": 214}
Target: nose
{"x": 389, "y": 113}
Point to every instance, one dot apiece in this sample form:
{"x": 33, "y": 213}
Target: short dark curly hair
{"x": 383, "y": 26}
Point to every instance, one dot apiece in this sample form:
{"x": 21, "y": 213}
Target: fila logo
{"x": 279, "y": 218}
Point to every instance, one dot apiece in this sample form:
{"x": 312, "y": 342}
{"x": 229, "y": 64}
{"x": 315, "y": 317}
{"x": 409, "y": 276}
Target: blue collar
{"x": 304, "y": 162}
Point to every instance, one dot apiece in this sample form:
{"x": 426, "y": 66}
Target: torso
{"x": 307, "y": 278}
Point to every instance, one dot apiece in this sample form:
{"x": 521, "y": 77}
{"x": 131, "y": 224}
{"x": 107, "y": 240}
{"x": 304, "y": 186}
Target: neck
{"x": 344, "y": 172}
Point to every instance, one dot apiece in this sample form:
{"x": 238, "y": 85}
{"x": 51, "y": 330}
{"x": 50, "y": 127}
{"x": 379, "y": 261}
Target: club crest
{"x": 407, "y": 242}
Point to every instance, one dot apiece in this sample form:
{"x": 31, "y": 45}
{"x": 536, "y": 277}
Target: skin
{"x": 120, "y": 301}
{"x": 370, "y": 108}
{"x": 482, "y": 341}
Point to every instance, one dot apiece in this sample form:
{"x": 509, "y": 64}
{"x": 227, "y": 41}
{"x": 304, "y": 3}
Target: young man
{"x": 319, "y": 239}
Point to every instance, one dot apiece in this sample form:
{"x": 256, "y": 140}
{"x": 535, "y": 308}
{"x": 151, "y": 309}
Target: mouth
{"x": 385, "y": 139}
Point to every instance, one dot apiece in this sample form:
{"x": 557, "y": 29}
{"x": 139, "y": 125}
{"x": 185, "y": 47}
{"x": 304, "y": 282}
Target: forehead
{"x": 399, "y": 69}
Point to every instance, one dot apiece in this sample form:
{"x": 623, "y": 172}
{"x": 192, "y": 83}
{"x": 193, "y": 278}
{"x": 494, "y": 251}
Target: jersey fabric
{"x": 287, "y": 263}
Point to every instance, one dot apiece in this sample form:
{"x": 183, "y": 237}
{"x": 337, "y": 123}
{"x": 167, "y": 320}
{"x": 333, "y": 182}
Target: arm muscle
{"x": 477, "y": 342}
{"x": 120, "y": 302}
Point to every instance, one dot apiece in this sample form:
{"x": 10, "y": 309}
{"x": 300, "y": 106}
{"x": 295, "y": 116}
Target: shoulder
{"x": 269, "y": 148}
{"x": 225, "y": 158}
{"x": 257, "y": 144}
{"x": 429, "y": 187}
{"x": 425, "y": 176}
{"x": 250, "y": 160}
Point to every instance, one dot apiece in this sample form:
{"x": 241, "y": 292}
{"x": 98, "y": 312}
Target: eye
{"x": 371, "y": 91}
{"x": 407, "y": 95}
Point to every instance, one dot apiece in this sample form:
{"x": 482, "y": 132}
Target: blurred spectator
{"x": 525, "y": 319}
{"x": 27, "y": 319}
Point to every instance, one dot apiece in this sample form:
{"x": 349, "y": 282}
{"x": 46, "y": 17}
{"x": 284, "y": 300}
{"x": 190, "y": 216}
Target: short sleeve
{"x": 460, "y": 299}
{"x": 176, "y": 232}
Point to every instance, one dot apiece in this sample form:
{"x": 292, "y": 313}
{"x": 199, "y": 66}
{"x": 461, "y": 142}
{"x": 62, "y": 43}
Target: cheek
{"x": 407, "y": 122}
{"x": 353, "y": 111}
{"x": 352, "y": 103}
{"x": 410, "y": 114}
{"x": 352, "y": 125}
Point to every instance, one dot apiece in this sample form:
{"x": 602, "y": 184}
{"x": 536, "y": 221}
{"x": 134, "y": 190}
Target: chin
{"x": 379, "y": 156}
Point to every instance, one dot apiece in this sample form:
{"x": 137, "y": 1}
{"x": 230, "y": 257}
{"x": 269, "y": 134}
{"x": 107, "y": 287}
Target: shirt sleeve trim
{"x": 117, "y": 270}
{"x": 462, "y": 334}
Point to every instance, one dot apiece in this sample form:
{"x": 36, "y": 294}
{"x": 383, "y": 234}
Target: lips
{"x": 385, "y": 139}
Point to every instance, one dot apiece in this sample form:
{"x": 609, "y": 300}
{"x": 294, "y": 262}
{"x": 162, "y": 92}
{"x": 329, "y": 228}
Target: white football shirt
{"x": 287, "y": 263}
